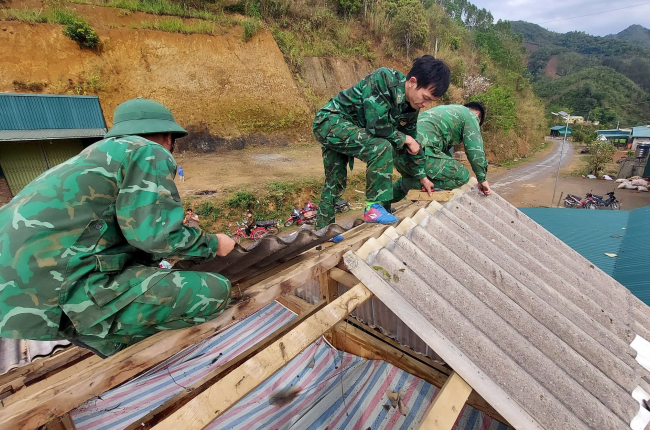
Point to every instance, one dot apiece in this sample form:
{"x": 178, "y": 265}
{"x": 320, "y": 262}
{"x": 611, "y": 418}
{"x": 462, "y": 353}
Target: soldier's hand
{"x": 427, "y": 185}
{"x": 226, "y": 244}
{"x": 411, "y": 145}
{"x": 484, "y": 188}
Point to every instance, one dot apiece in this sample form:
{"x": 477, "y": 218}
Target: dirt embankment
{"x": 227, "y": 92}
{"x": 551, "y": 67}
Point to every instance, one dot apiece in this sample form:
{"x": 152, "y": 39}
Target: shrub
{"x": 250, "y": 29}
{"x": 82, "y": 33}
{"x": 25, "y": 15}
{"x": 410, "y": 27}
{"x": 601, "y": 152}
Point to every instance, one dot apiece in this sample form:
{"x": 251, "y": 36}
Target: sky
{"x": 541, "y": 12}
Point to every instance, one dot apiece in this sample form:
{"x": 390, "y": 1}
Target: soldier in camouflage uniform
{"x": 439, "y": 130}
{"x": 372, "y": 121}
{"x": 79, "y": 245}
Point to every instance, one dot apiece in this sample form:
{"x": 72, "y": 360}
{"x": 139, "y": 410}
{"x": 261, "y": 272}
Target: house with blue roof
{"x": 39, "y": 131}
{"x": 560, "y": 130}
{"x": 640, "y": 136}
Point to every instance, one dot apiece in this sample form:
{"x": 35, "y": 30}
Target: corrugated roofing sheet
{"x": 537, "y": 330}
{"x": 52, "y": 134}
{"x": 633, "y": 262}
{"x": 642, "y": 131}
{"x": 266, "y": 253}
{"x": 320, "y": 388}
{"x": 590, "y": 232}
{"x": 41, "y": 111}
{"x": 18, "y": 352}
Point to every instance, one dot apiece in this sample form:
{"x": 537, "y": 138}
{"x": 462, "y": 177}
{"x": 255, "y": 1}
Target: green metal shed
{"x": 39, "y": 131}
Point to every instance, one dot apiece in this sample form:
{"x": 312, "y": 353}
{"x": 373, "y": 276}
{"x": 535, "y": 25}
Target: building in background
{"x": 559, "y": 130}
{"x": 640, "y": 136}
{"x": 39, "y": 131}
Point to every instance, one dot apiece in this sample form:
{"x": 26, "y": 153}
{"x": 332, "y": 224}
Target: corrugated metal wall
{"x": 22, "y": 162}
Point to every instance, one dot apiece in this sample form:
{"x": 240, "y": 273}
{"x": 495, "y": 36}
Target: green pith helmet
{"x": 142, "y": 116}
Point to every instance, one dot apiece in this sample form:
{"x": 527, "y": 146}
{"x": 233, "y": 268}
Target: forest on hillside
{"x": 603, "y": 78}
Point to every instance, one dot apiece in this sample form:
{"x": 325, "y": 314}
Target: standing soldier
{"x": 439, "y": 130}
{"x": 370, "y": 121}
{"x": 79, "y": 244}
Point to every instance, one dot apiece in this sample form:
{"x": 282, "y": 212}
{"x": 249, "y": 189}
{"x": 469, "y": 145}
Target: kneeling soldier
{"x": 80, "y": 245}
{"x": 439, "y": 130}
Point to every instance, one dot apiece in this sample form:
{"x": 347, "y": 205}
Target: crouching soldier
{"x": 370, "y": 121}
{"x": 439, "y": 130}
{"x": 79, "y": 245}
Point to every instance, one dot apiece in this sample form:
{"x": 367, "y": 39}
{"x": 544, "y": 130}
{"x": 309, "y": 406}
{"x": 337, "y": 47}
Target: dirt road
{"x": 531, "y": 185}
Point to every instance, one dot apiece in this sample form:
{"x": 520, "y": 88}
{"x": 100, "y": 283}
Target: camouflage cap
{"x": 142, "y": 116}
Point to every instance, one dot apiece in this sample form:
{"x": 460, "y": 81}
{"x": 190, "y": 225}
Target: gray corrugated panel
{"x": 267, "y": 253}
{"x": 41, "y": 111}
{"x": 51, "y": 134}
{"x": 633, "y": 262}
{"x": 18, "y": 352}
{"x": 485, "y": 283}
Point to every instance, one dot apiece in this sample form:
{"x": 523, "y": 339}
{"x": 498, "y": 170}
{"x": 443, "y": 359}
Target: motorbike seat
{"x": 266, "y": 223}
{"x": 598, "y": 197}
{"x": 342, "y": 202}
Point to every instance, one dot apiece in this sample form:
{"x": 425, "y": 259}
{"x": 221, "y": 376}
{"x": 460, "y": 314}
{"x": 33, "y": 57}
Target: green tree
{"x": 602, "y": 152}
{"x": 410, "y": 28}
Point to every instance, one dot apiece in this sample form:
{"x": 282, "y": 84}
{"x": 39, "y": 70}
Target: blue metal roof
{"x": 633, "y": 262}
{"x": 614, "y": 133}
{"x": 592, "y": 233}
{"x": 641, "y": 131}
{"x": 557, "y": 127}
{"x": 44, "y": 111}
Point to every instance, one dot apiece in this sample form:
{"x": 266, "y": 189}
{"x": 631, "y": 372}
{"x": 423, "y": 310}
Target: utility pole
{"x": 566, "y": 116}
{"x": 435, "y": 51}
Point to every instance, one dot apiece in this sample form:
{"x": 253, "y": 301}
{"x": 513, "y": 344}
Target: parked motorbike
{"x": 587, "y": 202}
{"x": 342, "y": 206}
{"x": 262, "y": 228}
{"x": 609, "y": 202}
{"x": 305, "y": 216}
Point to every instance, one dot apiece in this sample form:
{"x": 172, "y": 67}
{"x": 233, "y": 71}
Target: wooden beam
{"x": 295, "y": 303}
{"x": 19, "y": 377}
{"x": 172, "y": 405}
{"x": 345, "y": 278}
{"x": 329, "y": 288}
{"x": 45, "y": 400}
{"x": 447, "y": 405}
{"x": 224, "y": 394}
{"x": 438, "y": 196}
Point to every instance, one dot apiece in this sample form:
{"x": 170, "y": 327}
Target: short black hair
{"x": 430, "y": 71}
{"x": 479, "y": 107}
{"x": 189, "y": 210}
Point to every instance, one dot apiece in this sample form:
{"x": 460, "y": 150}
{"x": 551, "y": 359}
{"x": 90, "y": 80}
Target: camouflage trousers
{"x": 342, "y": 141}
{"x": 445, "y": 173}
{"x": 178, "y": 299}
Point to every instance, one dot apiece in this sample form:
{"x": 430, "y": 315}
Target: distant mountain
{"x": 634, "y": 35}
{"x": 585, "y": 73}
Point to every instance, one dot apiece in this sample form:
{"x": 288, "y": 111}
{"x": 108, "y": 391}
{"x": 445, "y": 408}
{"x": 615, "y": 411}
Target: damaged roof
{"x": 268, "y": 252}
{"x": 545, "y": 337}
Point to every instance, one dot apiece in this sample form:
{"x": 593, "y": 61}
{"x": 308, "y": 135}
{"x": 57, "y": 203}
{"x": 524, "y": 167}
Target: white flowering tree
{"x": 474, "y": 85}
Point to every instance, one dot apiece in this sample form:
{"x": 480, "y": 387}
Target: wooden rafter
{"x": 447, "y": 405}
{"x": 224, "y": 394}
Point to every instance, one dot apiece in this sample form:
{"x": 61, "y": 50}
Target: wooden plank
{"x": 46, "y": 400}
{"x": 224, "y": 394}
{"x": 446, "y": 407}
{"x": 295, "y": 303}
{"x": 437, "y": 196}
{"x": 329, "y": 288}
{"x": 345, "y": 278}
{"x": 21, "y": 376}
{"x": 170, "y": 406}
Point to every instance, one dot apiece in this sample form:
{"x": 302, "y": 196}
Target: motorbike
{"x": 609, "y": 202}
{"x": 262, "y": 228}
{"x": 304, "y": 216}
{"x": 342, "y": 206}
{"x": 573, "y": 201}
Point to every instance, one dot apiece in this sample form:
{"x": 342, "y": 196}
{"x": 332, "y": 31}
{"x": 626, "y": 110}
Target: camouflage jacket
{"x": 378, "y": 104}
{"x": 443, "y": 127}
{"x": 66, "y": 237}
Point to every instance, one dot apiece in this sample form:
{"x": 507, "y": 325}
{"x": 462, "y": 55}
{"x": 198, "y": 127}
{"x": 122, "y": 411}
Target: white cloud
{"x": 553, "y": 10}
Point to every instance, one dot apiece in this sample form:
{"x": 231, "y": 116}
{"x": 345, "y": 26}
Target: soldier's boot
{"x": 377, "y": 213}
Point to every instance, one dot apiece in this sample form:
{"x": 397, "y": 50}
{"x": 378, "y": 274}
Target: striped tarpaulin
{"x": 322, "y": 388}
{"x": 121, "y": 406}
